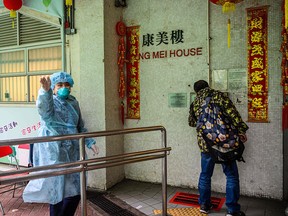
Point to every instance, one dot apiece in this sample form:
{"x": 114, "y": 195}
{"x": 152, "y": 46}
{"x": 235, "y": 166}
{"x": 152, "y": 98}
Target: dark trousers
{"x": 67, "y": 207}
{"x": 30, "y": 163}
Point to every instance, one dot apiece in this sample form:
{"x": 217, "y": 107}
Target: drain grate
{"x": 108, "y": 206}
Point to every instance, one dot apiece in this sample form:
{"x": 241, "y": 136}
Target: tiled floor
{"x": 145, "y": 197}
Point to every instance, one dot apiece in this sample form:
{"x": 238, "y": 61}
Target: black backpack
{"x": 220, "y": 135}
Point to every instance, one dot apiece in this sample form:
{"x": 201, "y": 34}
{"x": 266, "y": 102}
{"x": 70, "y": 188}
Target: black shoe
{"x": 240, "y": 213}
{"x": 205, "y": 208}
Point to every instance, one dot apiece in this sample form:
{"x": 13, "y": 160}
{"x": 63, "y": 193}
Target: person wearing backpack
{"x": 203, "y": 91}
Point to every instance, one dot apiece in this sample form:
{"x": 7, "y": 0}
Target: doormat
{"x": 192, "y": 200}
{"x": 181, "y": 212}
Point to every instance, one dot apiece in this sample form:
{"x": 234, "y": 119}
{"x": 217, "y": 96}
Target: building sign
{"x": 174, "y": 37}
{"x": 167, "y": 39}
{"x": 171, "y": 53}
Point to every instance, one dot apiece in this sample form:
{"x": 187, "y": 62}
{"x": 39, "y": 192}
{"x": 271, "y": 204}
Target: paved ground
{"x": 145, "y": 197}
{"x": 14, "y": 206}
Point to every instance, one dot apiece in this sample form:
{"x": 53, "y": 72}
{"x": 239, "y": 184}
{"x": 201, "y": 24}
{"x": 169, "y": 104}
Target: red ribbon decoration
{"x": 285, "y": 117}
{"x": 121, "y": 31}
{"x": 122, "y": 112}
{"x": 121, "y": 62}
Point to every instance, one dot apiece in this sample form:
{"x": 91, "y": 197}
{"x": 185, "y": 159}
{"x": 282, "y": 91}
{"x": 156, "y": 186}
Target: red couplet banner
{"x": 257, "y": 64}
{"x": 133, "y": 73}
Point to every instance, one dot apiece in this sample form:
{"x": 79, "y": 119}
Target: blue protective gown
{"x": 58, "y": 117}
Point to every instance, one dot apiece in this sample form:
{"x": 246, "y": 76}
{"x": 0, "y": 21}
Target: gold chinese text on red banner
{"x": 257, "y": 64}
{"x": 132, "y": 67}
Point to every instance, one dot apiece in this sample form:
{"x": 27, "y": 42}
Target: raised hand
{"x": 45, "y": 83}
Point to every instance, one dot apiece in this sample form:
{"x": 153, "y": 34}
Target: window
{"x": 20, "y": 81}
{"x": 36, "y": 52}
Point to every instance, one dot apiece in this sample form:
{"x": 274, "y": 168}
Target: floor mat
{"x": 192, "y": 200}
{"x": 181, "y": 212}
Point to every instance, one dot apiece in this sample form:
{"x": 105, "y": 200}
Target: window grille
{"x": 31, "y": 49}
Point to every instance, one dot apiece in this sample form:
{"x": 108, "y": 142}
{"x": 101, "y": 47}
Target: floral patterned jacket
{"x": 227, "y": 107}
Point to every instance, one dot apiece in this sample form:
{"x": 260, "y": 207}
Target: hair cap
{"x": 61, "y": 77}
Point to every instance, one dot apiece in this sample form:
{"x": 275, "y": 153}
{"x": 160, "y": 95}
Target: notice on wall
{"x": 233, "y": 82}
{"x": 219, "y": 80}
{"x": 237, "y": 85}
{"x": 237, "y": 80}
{"x": 177, "y": 100}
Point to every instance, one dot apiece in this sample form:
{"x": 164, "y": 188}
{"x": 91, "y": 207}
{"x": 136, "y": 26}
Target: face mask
{"x": 63, "y": 93}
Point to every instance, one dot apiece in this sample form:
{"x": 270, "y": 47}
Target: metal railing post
{"x": 164, "y": 174}
{"x": 83, "y": 177}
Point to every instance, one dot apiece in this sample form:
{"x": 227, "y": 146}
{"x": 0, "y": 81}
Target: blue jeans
{"x": 232, "y": 183}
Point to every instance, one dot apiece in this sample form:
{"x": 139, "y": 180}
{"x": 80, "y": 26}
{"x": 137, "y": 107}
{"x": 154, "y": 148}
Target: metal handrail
{"x": 84, "y": 165}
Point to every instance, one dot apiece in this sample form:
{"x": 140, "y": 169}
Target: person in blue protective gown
{"x": 60, "y": 115}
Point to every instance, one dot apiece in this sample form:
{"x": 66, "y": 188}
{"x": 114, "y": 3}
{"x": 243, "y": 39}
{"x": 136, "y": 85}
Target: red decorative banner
{"x": 257, "y": 64}
{"x": 133, "y": 77}
{"x": 284, "y": 64}
{"x": 121, "y": 31}
{"x": 284, "y": 50}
